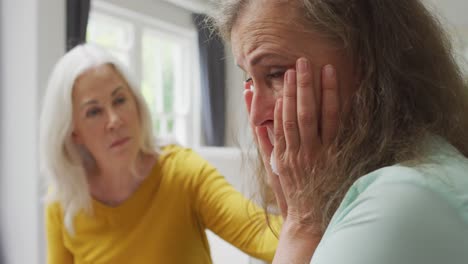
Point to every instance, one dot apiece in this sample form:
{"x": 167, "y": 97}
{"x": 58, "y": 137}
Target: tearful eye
{"x": 276, "y": 75}
{"x": 275, "y": 79}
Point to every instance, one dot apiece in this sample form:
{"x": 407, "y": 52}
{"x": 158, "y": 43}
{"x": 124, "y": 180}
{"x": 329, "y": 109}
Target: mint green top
{"x": 402, "y": 214}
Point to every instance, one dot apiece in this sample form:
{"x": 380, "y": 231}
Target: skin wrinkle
{"x": 258, "y": 36}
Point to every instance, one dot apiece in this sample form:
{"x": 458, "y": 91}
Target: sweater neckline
{"x": 135, "y": 202}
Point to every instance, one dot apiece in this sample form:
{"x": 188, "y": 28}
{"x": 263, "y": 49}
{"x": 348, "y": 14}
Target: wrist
{"x": 300, "y": 230}
{"x": 297, "y": 242}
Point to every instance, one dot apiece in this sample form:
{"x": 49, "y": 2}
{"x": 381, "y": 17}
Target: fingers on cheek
{"x": 278, "y": 127}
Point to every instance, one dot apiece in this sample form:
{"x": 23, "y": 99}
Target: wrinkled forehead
{"x": 262, "y": 21}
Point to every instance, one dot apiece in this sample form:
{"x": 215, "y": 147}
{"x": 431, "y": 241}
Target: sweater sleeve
{"x": 396, "y": 223}
{"x": 57, "y": 253}
{"x": 226, "y": 212}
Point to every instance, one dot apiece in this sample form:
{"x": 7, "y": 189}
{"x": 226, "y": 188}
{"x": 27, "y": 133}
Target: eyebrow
{"x": 90, "y": 102}
{"x": 262, "y": 57}
{"x": 116, "y": 90}
{"x": 94, "y": 101}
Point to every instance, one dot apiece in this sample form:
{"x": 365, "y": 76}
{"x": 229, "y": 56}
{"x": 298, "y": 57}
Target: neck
{"x": 113, "y": 185}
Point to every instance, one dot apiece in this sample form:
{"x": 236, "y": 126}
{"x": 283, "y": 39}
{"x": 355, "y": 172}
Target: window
{"x": 163, "y": 58}
{"x": 116, "y": 35}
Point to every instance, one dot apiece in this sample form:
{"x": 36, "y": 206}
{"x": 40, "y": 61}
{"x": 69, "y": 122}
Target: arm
{"x": 56, "y": 251}
{"x": 396, "y": 223}
{"x": 230, "y": 215}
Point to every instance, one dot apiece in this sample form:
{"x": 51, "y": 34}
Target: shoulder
{"x": 443, "y": 180}
{"x": 400, "y": 200}
{"x": 53, "y": 212}
{"x": 396, "y": 215}
{"x": 178, "y": 164}
{"x": 180, "y": 157}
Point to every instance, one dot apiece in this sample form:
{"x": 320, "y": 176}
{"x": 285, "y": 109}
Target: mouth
{"x": 119, "y": 142}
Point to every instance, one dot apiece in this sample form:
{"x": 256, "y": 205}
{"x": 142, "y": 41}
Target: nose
{"x": 114, "y": 121}
{"x": 263, "y": 106}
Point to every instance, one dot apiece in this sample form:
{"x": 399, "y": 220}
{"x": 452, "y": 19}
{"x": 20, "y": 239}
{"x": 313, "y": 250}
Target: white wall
{"x": 51, "y": 46}
{"x": 453, "y": 10}
{"x": 31, "y": 40}
{"x": 18, "y": 195}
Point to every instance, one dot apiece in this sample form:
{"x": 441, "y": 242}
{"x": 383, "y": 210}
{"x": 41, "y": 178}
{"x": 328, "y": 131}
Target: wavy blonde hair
{"x": 410, "y": 87}
{"x": 63, "y": 163}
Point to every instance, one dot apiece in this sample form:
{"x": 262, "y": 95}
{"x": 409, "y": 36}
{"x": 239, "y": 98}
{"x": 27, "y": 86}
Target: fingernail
{"x": 329, "y": 70}
{"x": 302, "y": 65}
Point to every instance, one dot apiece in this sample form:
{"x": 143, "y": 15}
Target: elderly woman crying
{"x": 359, "y": 111}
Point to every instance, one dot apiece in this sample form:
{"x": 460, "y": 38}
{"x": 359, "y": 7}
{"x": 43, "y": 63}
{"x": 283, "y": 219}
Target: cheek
{"x": 348, "y": 83}
{"x": 94, "y": 131}
{"x": 277, "y": 85}
{"x": 278, "y": 94}
{"x": 135, "y": 114}
{"x": 127, "y": 111}
{"x": 132, "y": 114}
{"x": 93, "y": 138}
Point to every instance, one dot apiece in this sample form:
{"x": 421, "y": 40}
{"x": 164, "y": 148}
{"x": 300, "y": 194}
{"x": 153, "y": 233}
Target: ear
{"x": 77, "y": 138}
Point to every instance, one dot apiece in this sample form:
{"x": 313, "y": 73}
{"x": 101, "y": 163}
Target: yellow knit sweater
{"x": 164, "y": 221}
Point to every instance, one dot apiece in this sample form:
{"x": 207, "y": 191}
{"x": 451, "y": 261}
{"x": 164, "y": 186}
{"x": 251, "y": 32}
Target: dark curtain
{"x": 77, "y": 21}
{"x": 212, "y": 65}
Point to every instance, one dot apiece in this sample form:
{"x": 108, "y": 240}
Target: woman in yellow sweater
{"x": 114, "y": 196}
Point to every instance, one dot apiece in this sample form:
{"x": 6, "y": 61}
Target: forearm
{"x": 296, "y": 245}
{"x": 252, "y": 235}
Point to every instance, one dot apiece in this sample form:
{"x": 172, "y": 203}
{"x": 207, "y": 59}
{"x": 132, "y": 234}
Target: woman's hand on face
{"x": 304, "y": 127}
{"x": 272, "y": 179}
